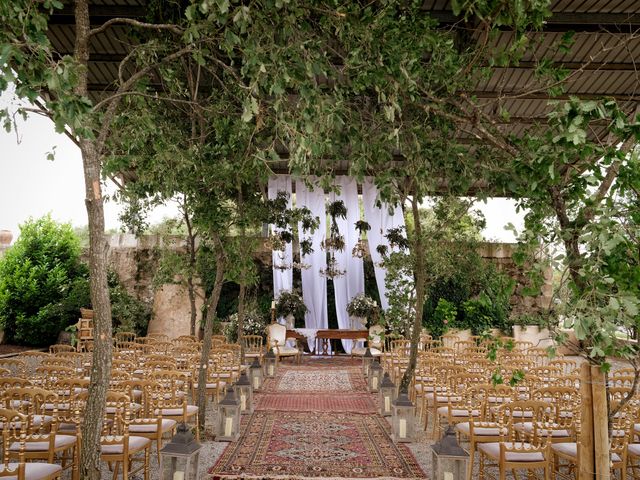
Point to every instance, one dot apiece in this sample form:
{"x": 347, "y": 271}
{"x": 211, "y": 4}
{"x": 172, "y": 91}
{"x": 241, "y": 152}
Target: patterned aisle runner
{"x": 316, "y": 420}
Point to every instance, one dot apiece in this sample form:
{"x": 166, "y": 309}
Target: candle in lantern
{"x": 387, "y": 404}
{"x": 273, "y": 305}
{"x": 403, "y": 428}
{"x": 270, "y": 370}
{"x": 179, "y": 475}
{"x": 228, "y": 424}
{"x": 448, "y": 475}
{"x": 256, "y": 383}
{"x": 243, "y": 402}
{"x": 374, "y": 383}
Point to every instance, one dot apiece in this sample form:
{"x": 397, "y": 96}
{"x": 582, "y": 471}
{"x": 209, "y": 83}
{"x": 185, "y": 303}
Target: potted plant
{"x": 360, "y": 308}
{"x": 290, "y": 305}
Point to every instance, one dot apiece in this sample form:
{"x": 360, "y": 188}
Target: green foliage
{"x": 443, "y": 318}
{"x": 128, "y": 313}
{"x": 42, "y": 283}
{"x": 491, "y": 308}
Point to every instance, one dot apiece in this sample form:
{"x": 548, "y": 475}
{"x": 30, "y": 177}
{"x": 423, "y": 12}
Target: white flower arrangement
{"x": 362, "y": 306}
{"x": 253, "y": 324}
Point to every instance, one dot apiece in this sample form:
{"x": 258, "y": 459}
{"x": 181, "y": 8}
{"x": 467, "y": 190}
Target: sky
{"x": 32, "y": 186}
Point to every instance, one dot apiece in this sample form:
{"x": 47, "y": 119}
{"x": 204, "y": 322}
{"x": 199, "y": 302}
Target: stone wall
{"x": 500, "y": 254}
{"x": 136, "y": 259}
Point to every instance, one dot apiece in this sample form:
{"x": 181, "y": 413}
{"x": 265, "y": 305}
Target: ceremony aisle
{"x": 316, "y": 420}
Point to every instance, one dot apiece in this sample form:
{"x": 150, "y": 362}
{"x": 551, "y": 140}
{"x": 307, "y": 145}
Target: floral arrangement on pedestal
{"x": 363, "y": 307}
{"x": 253, "y": 324}
{"x": 290, "y": 303}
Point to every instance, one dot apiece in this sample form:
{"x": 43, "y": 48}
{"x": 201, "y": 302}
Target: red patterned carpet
{"x": 316, "y": 403}
{"x": 302, "y": 445}
{"x": 316, "y": 421}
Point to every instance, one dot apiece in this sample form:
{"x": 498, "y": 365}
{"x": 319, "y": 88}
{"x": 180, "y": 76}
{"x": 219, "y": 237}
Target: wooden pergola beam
{"x": 567, "y": 21}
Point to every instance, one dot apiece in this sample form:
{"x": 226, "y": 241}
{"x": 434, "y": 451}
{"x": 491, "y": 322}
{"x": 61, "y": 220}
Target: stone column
{"x": 5, "y": 240}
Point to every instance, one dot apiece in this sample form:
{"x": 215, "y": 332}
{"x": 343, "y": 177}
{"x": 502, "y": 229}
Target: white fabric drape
{"x": 282, "y": 279}
{"x": 380, "y": 220}
{"x": 351, "y": 283}
{"x": 314, "y": 284}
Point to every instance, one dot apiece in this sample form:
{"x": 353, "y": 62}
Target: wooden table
{"x": 324, "y": 337}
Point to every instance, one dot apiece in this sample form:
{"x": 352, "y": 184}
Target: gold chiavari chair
{"x": 483, "y": 428}
{"x": 47, "y": 375}
{"x": 513, "y": 453}
{"x": 149, "y": 423}
{"x": 117, "y": 445}
{"x": 567, "y": 367}
{"x": 11, "y": 423}
{"x": 162, "y": 348}
{"x": 146, "y": 340}
{"x": 175, "y": 405}
{"x": 121, "y": 339}
{"x": 155, "y": 365}
{"x": 43, "y": 442}
{"x": 160, "y": 337}
{"x": 59, "y": 348}
{"x": 15, "y": 366}
{"x": 216, "y": 381}
{"x": 32, "y": 359}
{"x": 449, "y": 340}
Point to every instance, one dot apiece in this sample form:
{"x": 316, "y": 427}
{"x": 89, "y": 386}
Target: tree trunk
{"x": 191, "y": 289}
{"x": 101, "y": 367}
{"x": 241, "y": 304}
{"x": 212, "y": 305}
{"x": 585, "y": 439}
{"x": 600, "y": 424}
{"x": 420, "y": 279}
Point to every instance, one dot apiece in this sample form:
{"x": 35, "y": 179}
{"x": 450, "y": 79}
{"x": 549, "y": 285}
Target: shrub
{"x": 443, "y": 318}
{"x": 42, "y": 283}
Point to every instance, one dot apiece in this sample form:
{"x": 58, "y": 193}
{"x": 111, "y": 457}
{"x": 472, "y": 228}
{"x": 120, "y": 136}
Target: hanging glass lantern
{"x": 386, "y": 395}
{"x": 255, "y": 374}
{"x": 245, "y": 393}
{"x": 449, "y": 460}
{"x": 228, "y": 417}
{"x": 179, "y": 459}
{"x": 375, "y": 376}
{"x": 403, "y": 418}
{"x": 367, "y": 358}
{"x": 270, "y": 362}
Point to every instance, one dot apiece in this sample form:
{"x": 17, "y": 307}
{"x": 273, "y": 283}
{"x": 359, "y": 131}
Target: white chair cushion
{"x": 527, "y": 427}
{"x": 167, "y": 424}
{"x": 135, "y": 444}
{"x": 62, "y": 441}
{"x": 33, "y": 470}
{"x": 492, "y": 450}
{"x": 487, "y": 431}
{"x": 444, "y": 412}
{"x": 211, "y": 385}
{"x": 634, "y": 449}
{"x": 173, "y": 412}
{"x": 359, "y": 351}
{"x": 287, "y": 350}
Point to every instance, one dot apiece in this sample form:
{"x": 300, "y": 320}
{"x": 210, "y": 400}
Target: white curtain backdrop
{"x": 380, "y": 221}
{"x": 352, "y": 282}
{"x": 282, "y": 279}
{"x": 314, "y": 284}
